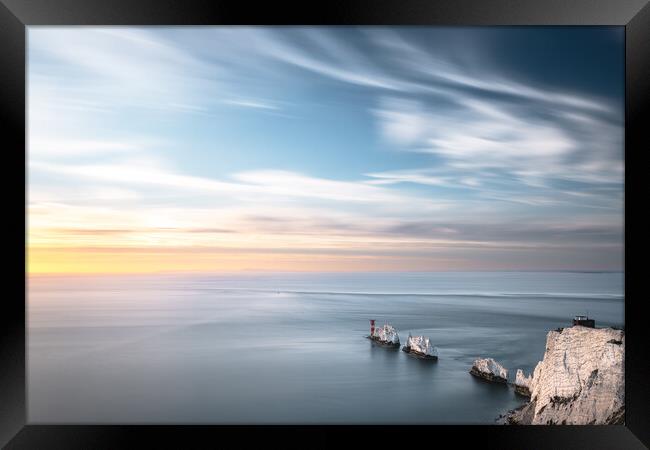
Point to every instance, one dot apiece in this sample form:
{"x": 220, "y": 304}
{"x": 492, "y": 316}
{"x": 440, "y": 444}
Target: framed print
{"x": 298, "y": 224}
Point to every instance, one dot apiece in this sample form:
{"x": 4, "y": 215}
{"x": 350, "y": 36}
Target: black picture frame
{"x": 15, "y": 15}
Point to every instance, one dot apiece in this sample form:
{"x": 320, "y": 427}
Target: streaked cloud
{"x": 303, "y": 148}
{"x": 251, "y": 104}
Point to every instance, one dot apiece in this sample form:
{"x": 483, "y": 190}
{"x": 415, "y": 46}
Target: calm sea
{"x": 290, "y": 348}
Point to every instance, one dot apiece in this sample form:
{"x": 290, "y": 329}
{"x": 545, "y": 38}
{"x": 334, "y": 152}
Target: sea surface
{"x": 276, "y": 348}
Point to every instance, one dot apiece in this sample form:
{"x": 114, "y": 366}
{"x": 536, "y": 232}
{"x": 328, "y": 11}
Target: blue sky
{"x": 374, "y": 148}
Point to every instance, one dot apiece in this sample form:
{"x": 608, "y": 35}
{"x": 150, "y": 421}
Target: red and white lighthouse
{"x": 372, "y": 327}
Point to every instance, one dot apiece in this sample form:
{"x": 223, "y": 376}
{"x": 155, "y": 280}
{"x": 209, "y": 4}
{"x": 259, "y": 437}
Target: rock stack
{"x": 386, "y": 335}
{"x": 489, "y": 370}
{"x": 421, "y": 347}
{"x": 522, "y": 383}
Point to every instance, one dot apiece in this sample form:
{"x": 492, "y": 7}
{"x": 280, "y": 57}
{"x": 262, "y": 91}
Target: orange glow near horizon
{"x": 50, "y": 260}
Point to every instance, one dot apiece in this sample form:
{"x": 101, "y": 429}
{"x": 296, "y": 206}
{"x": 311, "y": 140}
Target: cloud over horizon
{"x": 380, "y": 147}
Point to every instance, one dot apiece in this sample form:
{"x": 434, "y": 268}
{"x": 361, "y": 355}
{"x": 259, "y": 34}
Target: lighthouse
{"x": 372, "y": 327}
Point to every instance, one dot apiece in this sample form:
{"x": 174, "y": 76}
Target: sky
{"x": 209, "y": 149}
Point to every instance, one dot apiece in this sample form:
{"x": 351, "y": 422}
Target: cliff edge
{"x": 580, "y": 380}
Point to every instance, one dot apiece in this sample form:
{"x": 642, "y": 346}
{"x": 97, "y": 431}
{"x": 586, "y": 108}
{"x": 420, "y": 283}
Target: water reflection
{"x": 165, "y": 350}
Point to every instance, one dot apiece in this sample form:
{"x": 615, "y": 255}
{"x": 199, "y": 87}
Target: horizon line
{"x": 266, "y": 271}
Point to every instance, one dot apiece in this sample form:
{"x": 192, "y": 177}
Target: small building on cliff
{"x": 584, "y": 321}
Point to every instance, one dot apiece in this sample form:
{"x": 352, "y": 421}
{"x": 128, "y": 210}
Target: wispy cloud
{"x": 401, "y": 152}
{"x": 251, "y": 104}
{"x": 251, "y": 186}
{"x": 484, "y": 135}
{"x": 80, "y": 147}
{"x": 488, "y": 120}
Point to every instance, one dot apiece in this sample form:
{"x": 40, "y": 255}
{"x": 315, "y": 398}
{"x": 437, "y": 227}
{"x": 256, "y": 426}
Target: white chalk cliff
{"x": 579, "y": 381}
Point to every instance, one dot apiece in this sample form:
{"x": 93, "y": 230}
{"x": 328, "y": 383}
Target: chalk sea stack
{"x": 489, "y": 370}
{"x": 522, "y": 383}
{"x": 420, "y": 347}
{"x": 386, "y": 336}
{"x": 580, "y": 381}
